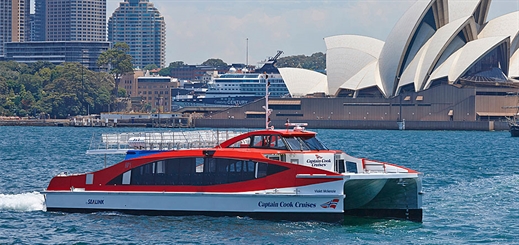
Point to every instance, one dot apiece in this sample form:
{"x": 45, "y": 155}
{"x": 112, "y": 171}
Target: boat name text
{"x": 286, "y": 204}
{"x": 318, "y": 162}
{"x": 95, "y": 201}
{"x": 325, "y": 191}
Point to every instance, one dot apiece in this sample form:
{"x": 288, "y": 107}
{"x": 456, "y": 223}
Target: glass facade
{"x": 140, "y": 25}
{"x": 70, "y": 20}
{"x": 85, "y": 53}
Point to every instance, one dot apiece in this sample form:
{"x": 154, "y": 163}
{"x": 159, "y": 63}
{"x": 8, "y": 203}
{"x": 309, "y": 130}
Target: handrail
{"x": 159, "y": 140}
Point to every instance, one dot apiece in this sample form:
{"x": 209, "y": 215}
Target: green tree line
{"x": 42, "y": 88}
{"x": 315, "y": 62}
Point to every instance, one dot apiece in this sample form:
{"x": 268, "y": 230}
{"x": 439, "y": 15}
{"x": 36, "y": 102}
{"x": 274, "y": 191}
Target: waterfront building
{"x": 129, "y": 82}
{"x": 156, "y": 91}
{"x": 70, "y": 20}
{"x": 139, "y": 24}
{"x": 14, "y": 22}
{"x": 142, "y": 88}
{"x": 57, "y": 53}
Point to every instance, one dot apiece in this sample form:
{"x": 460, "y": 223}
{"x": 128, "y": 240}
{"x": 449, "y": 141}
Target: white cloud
{"x": 197, "y": 30}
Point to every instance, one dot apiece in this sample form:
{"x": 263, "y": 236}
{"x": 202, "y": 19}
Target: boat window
{"x": 250, "y": 166}
{"x": 277, "y": 142}
{"x": 231, "y": 168}
{"x": 238, "y": 166}
{"x": 197, "y": 171}
{"x": 296, "y": 144}
{"x": 161, "y": 167}
{"x": 210, "y": 165}
{"x": 261, "y": 170}
{"x": 259, "y": 141}
{"x": 199, "y": 162}
{"x": 244, "y": 143}
{"x": 307, "y": 143}
{"x": 268, "y": 141}
{"x": 314, "y": 143}
{"x": 126, "y": 177}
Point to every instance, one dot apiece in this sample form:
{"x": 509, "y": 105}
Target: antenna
{"x": 247, "y": 53}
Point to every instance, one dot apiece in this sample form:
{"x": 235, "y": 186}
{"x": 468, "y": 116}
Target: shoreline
{"x": 258, "y": 123}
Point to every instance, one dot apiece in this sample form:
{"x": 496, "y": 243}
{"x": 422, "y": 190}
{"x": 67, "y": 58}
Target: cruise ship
{"x": 238, "y": 87}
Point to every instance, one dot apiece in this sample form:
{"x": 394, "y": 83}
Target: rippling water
{"x": 471, "y": 185}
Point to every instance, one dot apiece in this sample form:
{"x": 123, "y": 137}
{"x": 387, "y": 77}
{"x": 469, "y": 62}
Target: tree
{"x": 150, "y": 67}
{"x": 214, "y": 63}
{"x": 316, "y": 61}
{"x": 166, "y": 71}
{"x": 177, "y": 64}
{"x": 118, "y": 61}
{"x": 41, "y": 88}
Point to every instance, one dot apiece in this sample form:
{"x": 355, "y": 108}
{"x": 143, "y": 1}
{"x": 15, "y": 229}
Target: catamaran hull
{"x": 514, "y": 130}
{"x": 263, "y": 206}
{"x": 369, "y": 196}
{"x": 384, "y": 198}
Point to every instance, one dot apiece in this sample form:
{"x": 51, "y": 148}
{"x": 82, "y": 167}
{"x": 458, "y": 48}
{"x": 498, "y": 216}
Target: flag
{"x": 330, "y": 204}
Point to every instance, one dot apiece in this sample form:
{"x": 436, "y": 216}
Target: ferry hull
{"x": 262, "y": 206}
{"x": 514, "y": 130}
{"x": 384, "y": 198}
{"x": 368, "y": 196}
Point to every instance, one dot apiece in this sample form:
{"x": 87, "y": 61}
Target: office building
{"x": 57, "y": 53}
{"x": 14, "y": 22}
{"x": 70, "y": 20}
{"x": 139, "y": 24}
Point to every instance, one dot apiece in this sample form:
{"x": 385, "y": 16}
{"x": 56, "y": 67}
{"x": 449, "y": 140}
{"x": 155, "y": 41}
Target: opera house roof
{"x": 434, "y": 42}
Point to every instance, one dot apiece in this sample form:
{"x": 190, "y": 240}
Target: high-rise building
{"x": 32, "y": 23}
{"x": 70, "y": 20}
{"x": 14, "y": 22}
{"x": 57, "y": 52}
{"x": 39, "y": 20}
{"x": 139, "y": 24}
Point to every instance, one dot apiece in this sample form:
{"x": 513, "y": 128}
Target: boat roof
{"x": 283, "y": 133}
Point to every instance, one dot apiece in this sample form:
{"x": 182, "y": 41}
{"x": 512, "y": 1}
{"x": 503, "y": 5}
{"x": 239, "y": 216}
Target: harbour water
{"x": 471, "y": 184}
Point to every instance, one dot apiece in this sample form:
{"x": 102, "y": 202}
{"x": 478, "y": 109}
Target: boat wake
{"x": 30, "y": 201}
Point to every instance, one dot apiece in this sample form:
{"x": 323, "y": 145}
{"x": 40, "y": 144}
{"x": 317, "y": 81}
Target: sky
{"x": 197, "y": 30}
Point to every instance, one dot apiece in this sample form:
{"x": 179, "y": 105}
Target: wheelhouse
{"x": 278, "y": 140}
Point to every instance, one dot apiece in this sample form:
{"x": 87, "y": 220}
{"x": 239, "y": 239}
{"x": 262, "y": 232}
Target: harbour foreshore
{"x": 260, "y": 123}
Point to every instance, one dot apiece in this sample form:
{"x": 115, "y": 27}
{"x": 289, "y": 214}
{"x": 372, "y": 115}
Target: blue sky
{"x": 197, "y": 30}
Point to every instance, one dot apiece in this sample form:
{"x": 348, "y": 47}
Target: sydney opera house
{"x": 442, "y": 61}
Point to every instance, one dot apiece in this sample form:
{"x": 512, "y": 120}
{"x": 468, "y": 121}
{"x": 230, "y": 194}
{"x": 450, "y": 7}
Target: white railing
{"x": 119, "y": 143}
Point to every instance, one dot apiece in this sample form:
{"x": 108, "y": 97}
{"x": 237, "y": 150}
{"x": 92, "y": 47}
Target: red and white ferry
{"x": 274, "y": 174}
{"x": 271, "y": 174}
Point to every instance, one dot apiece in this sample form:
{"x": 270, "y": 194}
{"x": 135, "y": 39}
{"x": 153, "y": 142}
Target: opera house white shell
{"x": 436, "y": 41}
{"x": 301, "y": 82}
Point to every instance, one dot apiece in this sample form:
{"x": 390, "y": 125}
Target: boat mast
{"x": 266, "y": 106}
